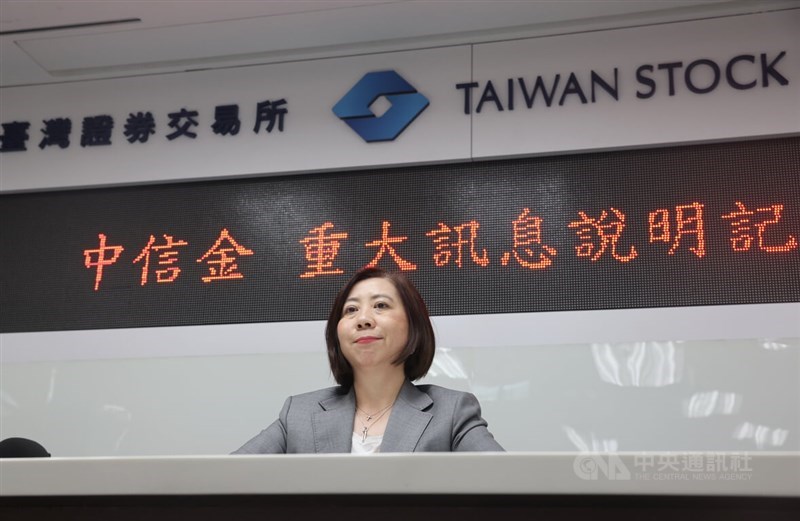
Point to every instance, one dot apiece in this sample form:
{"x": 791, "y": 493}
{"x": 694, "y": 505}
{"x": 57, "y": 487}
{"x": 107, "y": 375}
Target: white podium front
{"x": 449, "y": 486}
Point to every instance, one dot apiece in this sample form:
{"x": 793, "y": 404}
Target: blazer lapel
{"x": 333, "y": 425}
{"x": 407, "y": 421}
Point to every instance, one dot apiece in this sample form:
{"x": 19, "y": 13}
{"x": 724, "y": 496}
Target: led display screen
{"x": 682, "y": 226}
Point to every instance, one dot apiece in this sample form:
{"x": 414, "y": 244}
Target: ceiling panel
{"x": 176, "y": 35}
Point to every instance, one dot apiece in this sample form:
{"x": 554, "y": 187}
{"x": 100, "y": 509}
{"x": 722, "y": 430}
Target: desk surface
{"x": 766, "y": 474}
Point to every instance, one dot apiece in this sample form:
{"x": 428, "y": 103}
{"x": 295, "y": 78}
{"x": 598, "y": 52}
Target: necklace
{"x": 369, "y": 416}
{"x": 372, "y": 418}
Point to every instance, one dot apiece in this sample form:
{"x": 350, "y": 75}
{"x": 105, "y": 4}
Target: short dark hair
{"x": 416, "y": 357}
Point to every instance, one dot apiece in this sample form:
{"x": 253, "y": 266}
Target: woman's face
{"x": 373, "y": 329}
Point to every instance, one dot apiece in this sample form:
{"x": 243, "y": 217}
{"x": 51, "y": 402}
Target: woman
{"x": 380, "y": 339}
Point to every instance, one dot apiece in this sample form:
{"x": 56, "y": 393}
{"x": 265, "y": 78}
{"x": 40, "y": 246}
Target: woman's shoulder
{"x": 320, "y": 394}
{"x": 439, "y": 392}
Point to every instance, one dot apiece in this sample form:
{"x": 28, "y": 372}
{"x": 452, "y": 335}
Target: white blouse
{"x": 370, "y": 446}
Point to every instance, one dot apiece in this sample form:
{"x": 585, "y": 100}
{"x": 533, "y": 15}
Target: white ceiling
{"x": 177, "y": 35}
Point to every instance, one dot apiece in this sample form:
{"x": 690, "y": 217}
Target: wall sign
{"x": 634, "y": 87}
{"x": 138, "y": 127}
{"x": 406, "y": 105}
{"x": 699, "y": 225}
{"x": 699, "y": 76}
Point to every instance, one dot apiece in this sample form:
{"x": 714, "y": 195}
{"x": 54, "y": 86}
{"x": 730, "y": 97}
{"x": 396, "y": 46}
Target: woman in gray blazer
{"x": 380, "y": 339}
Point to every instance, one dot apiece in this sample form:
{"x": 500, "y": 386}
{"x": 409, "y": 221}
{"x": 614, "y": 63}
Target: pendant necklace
{"x": 372, "y": 418}
{"x": 369, "y": 416}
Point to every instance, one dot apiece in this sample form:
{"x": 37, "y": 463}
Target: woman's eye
{"x": 349, "y": 310}
{"x": 382, "y": 305}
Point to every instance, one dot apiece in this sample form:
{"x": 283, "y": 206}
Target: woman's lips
{"x": 366, "y": 339}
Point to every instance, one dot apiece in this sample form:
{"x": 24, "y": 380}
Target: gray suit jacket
{"x": 425, "y": 418}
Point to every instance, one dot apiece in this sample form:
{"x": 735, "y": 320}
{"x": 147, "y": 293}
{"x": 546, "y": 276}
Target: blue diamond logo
{"x": 406, "y": 105}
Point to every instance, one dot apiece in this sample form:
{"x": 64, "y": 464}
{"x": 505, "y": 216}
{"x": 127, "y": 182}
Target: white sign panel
{"x": 674, "y": 83}
{"x": 313, "y": 137}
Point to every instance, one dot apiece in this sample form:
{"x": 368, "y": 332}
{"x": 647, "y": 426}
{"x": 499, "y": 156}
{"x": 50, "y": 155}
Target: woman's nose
{"x": 364, "y": 321}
